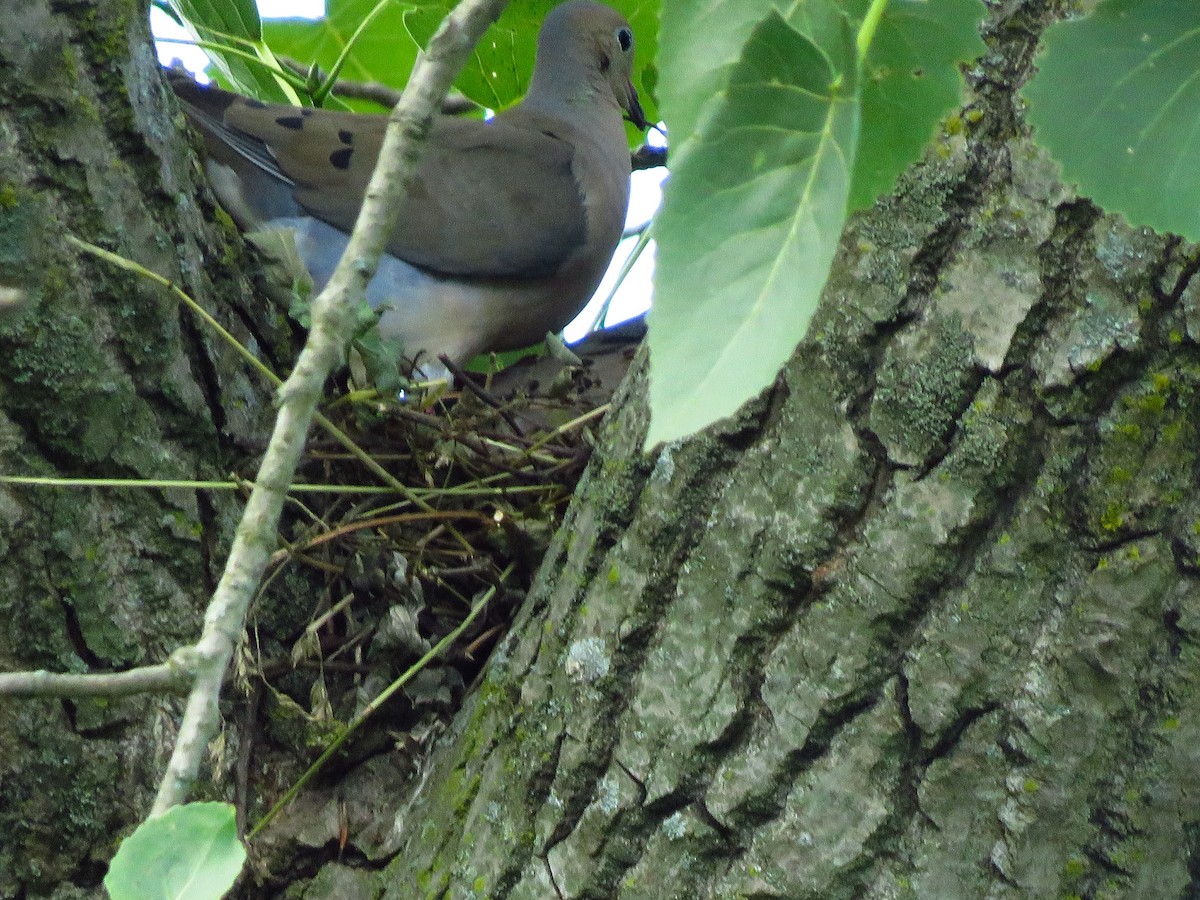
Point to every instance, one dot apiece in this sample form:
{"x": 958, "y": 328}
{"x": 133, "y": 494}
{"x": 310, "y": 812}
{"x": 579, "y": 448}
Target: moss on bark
{"x": 921, "y": 622}
{"x": 101, "y": 376}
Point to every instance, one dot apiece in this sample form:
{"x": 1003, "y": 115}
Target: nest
{"x": 368, "y": 582}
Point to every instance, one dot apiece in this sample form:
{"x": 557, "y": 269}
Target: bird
{"x": 509, "y": 224}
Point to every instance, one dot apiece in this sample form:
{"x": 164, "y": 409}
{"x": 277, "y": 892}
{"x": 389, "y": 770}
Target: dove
{"x": 509, "y": 224}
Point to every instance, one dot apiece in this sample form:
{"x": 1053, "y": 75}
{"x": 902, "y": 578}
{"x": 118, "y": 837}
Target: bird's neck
{"x": 547, "y": 94}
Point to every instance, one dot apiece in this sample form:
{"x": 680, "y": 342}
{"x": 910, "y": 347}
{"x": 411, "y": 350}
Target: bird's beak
{"x": 633, "y": 106}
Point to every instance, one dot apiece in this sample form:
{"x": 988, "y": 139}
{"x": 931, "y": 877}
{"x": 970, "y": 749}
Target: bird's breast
{"x": 431, "y": 314}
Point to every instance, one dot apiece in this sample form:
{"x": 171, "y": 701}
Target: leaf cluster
{"x": 785, "y": 120}
{"x": 793, "y": 118}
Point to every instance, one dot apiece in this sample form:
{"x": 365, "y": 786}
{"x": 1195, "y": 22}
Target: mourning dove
{"x": 510, "y": 223}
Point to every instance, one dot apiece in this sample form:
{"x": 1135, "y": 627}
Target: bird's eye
{"x": 625, "y": 39}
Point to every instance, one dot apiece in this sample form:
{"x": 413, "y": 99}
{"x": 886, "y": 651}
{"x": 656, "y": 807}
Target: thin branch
{"x": 647, "y": 157}
{"x": 372, "y": 91}
{"x": 255, "y": 363}
{"x": 165, "y": 483}
{"x": 333, "y": 320}
{"x": 171, "y": 677}
{"x": 469, "y": 384}
{"x": 379, "y": 93}
{"x": 643, "y": 241}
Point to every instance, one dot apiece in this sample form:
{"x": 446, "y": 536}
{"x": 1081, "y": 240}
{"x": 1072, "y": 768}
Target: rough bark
{"x": 921, "y": 622}
{"x": 103, "y": 374}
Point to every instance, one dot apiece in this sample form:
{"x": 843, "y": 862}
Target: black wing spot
{"x": 340, "y": 159}
{"x": 346, "y": 136}
{"x": 296, "y": 123}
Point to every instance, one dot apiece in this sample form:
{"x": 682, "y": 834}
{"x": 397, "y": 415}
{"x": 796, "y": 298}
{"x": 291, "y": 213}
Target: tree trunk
{"x": 920, "y": 623}
{"x": 104, "y": 374}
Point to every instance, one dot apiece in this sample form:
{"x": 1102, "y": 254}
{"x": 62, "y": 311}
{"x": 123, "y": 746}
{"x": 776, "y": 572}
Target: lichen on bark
{"x": 102, "y": 376}
{"x": 920, "y": 622}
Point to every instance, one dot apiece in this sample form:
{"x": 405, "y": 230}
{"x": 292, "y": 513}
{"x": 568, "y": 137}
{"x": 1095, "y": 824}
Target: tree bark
{"x": 103, "y": 374}
{"x": 920, "y": 622}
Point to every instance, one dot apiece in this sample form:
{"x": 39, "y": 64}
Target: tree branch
{"x": 172, "y": 677}
{"x": 333, "y": 317}
{"x": 379, "y": 93}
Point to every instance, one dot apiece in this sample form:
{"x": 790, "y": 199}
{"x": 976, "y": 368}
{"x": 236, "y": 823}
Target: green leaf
{"x": 167, "y": 8}
{"x": 1117, "y": 103}
{"x": 910, "y": 81}
{"x": 700, "y": 46}
{"x": 497, "y": 74}
{"x": 233, "y": 17}
{"x": 232, "y": 36}
{"x": 191, "y": 852}
{"x": 750, "y": 223}
{"x": 383, "y": 52}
